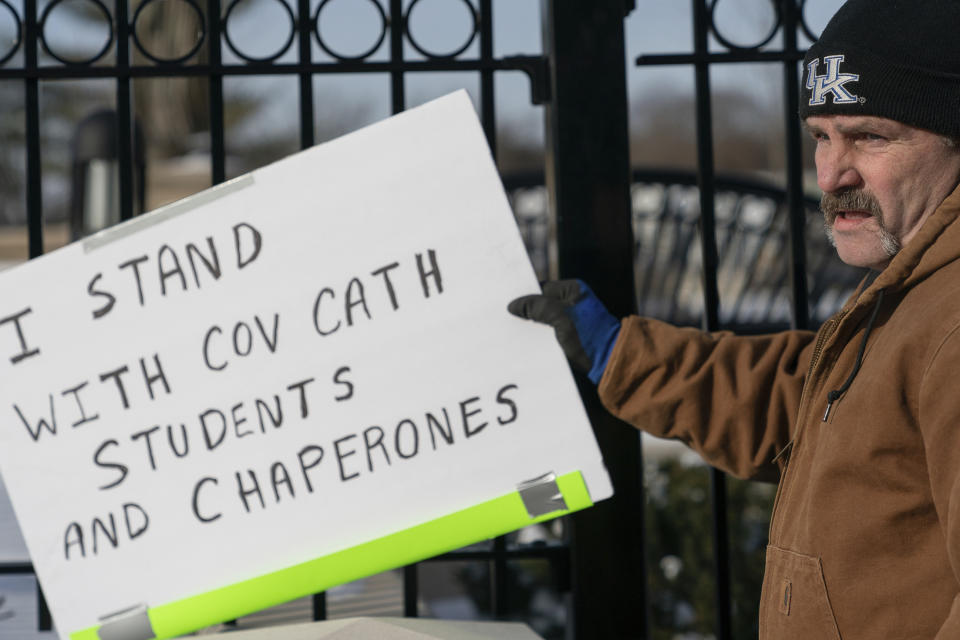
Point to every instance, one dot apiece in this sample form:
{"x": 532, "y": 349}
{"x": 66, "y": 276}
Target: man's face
{"x": 881, "y": 180}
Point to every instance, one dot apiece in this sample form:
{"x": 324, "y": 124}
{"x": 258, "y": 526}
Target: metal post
{"x": 588, "y": 179}
{"x": 32, "y": 88}
{"x": 711, "y": 301}
{"x": 124, "y": 111}
{"x": 795, "y": 208}
{"x": 398, "y": 27}
{"x": 44, "y": 618}
{"x": 319, "y": 605}
{"x": 218, "y": 153}
{"x": 411, "y": 592}
{"x": 487, "y": 110}
{"x": 304, "y": 28}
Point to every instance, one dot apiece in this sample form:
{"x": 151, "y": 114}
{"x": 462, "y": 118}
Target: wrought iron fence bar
{"x": 319, "y": 606}
{"x": 32, "y": 99}
{"x": 16, "y": 568}
{"x": 527, "y": 64}
{"x": 715, "y": 58}
{"x": 44, "y": 617}
{"x": 410, "y": 592}
{"x": 307, "y": 132}
{"x": 711, "y": 316}
{"x": 498, "y": 579}
{"x": 395, "y": 66}
{"x": 124, "y": 112}
{"x": 795, "y": 207}
{"x": 705, "y": 182}
{"x": 487, "y": 109}
{"x": 218, "y": 152}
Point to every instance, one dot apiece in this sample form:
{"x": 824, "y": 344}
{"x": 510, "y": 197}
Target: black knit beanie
{"x": 898, "y": 59}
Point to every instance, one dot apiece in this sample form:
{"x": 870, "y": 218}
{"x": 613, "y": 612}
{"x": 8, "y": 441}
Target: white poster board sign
{"x": 312, "y": 356}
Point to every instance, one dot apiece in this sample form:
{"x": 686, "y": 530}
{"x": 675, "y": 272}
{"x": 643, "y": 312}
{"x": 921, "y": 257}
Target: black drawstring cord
{"x": 836, "y": 393}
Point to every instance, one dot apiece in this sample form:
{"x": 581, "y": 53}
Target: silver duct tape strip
{"x": 542, "y": 495}
{"x": 173, "y": 210}
{"x": 130, "y": 624}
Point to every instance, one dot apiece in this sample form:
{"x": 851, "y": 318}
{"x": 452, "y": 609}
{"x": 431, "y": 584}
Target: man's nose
{"x": 836, "y": 169}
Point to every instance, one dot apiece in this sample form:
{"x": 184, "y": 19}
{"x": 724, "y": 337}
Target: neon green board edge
{"x": 486, "y": 520}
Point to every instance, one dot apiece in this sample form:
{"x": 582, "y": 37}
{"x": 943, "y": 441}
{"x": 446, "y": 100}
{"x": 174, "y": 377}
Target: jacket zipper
{"x": 825, "y": 332}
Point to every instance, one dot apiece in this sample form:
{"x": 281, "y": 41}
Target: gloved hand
{"x": 585, "y": 329}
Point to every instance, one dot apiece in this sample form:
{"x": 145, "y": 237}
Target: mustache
{"x": 831, "y": 204}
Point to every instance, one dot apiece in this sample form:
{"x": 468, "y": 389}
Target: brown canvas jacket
{"x": 865, "y": 533}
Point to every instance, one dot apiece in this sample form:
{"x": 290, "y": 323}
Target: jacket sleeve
{"x": 939, "y": 416}
{"x": 733, "y": 399}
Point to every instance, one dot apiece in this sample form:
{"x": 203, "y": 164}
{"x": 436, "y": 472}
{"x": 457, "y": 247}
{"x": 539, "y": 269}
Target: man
{"x": 860, "y": 422}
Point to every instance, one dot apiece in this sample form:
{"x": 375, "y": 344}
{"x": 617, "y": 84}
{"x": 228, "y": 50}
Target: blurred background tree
{"x": 679, "y": 555}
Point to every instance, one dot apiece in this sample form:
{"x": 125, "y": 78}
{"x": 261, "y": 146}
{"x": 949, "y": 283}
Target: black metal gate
{"x": 581, "y": 81}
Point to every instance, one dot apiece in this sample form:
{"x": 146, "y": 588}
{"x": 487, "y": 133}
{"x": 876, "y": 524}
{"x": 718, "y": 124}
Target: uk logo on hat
{"x": 831, "y": 83}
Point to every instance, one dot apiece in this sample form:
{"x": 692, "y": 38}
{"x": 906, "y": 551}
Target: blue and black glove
{"x": 585, "y": 329}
